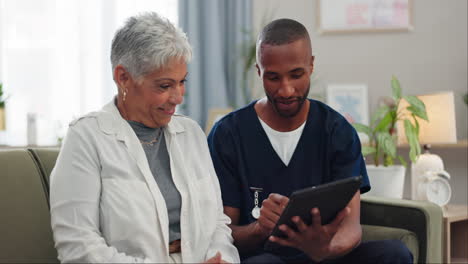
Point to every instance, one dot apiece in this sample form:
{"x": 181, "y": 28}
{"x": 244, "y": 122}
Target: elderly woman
{"x": 134, "y": 182}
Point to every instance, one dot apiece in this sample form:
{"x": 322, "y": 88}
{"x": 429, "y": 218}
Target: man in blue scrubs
{"x": 285, "y": 142}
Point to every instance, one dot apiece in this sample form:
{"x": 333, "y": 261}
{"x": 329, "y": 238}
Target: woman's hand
{"x": 216, "y": 259}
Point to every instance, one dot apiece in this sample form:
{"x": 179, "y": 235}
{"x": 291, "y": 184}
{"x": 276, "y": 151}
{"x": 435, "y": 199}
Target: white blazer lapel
{"x": 125, "y": 134}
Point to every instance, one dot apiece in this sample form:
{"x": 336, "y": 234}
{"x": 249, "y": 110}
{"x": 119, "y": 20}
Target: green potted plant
{"x": 382, "y": 146}
{"x": 3, "y": 99}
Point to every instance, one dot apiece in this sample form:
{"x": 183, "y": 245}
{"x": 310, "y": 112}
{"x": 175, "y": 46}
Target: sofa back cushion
{"x": 26, "y": 235}
{"x": 45, "y": 158}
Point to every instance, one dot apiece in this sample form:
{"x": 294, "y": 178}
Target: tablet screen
{"x": 329, "y": 198}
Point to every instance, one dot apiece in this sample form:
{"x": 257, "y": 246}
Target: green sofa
{"x": 26, "y": 235}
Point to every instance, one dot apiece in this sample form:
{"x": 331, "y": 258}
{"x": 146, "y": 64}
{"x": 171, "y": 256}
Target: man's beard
{"x": 287, "y": 114}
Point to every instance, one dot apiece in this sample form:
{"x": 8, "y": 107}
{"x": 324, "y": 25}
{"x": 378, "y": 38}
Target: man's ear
{"x": 312, "y": 59}
{"x": 258, "y": 69}
{"x": 121, "y": 77}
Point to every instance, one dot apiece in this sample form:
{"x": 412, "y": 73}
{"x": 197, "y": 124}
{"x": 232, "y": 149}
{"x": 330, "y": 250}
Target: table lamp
{"x": 429, "y": 180}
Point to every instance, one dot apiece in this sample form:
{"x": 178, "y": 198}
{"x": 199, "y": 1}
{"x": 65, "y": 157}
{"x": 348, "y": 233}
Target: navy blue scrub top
{"x": 328, "y": 149}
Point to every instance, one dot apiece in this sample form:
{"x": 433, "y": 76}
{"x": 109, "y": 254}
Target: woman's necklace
{"x": 154, "y": 140}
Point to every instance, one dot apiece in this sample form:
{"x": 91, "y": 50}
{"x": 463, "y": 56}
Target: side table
{"x": 455, "y": 234}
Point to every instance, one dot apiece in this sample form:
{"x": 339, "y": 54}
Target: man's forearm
{"x": 349, "y": 235}
{"x": 247, "y": 238}
{"x": 346, "y": 240}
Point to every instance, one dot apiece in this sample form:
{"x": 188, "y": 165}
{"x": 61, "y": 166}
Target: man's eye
{"x": 183, "y": 81}
{"x": 297, "y": 76}
{"x": 165, "y": 86}
{"x": 272, "y": 78}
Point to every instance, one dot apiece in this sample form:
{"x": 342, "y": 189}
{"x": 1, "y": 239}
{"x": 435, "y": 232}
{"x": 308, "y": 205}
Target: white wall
{"x": 432, "y": 57}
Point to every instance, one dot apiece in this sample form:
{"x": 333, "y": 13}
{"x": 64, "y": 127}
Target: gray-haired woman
{"x": 134, "y": 182}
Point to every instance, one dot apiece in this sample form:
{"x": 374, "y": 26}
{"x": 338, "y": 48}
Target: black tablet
{"x": 329, "y": 198}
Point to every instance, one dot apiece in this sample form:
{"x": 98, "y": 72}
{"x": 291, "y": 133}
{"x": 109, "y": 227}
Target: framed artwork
{"x": 341, "y": 16}
{"x": 350, "y": 100}
{"x": 215, "y": 114}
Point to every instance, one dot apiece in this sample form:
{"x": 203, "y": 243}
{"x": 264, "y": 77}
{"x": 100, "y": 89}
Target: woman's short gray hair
{"x": 146, "y": 42}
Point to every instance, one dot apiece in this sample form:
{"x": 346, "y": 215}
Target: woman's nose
{"x": 177, "y": 95}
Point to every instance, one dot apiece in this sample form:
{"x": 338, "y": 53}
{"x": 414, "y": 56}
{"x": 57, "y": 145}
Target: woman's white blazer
{"x": 107, "y": 207}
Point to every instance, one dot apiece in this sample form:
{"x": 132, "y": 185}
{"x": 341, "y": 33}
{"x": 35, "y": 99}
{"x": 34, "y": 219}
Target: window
{"x": 55, "y": 61}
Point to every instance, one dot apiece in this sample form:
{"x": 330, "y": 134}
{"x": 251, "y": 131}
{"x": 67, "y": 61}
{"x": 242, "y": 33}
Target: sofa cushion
{"x": 409, "y": 238}
{"x": 45, "y": 158}
{"x": 26, "y": 235}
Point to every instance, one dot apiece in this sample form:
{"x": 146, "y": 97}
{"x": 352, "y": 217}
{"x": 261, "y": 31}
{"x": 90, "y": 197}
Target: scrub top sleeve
{"x": 223, "y": 154}
{"x": 347, "y": 157}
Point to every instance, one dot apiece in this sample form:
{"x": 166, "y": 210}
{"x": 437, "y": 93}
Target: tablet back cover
{"x": 330, "y": 198}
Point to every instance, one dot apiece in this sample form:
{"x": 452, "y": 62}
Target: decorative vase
{"x": 2, "y": 119}
{"x": 386, "y": 181}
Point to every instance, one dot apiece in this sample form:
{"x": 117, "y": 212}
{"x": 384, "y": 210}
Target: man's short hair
{"x": 282, "y": 31}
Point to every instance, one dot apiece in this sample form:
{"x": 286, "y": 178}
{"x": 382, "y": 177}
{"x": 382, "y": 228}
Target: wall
{"x": 431, "y": 57}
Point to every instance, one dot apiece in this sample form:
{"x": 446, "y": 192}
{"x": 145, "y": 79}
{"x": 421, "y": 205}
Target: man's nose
{"x": 286, "y": 88}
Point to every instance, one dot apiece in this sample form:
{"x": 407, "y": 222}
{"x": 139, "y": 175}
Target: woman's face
{"x": 152, "y": 99}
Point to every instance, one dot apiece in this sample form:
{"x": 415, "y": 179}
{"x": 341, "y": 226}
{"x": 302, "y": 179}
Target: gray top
{"x": 154, "y": 144}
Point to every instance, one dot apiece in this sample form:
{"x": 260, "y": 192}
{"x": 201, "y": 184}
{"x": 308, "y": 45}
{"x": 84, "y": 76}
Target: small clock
{"x": 438, "y": 191}
{"x": 436, "y": 188}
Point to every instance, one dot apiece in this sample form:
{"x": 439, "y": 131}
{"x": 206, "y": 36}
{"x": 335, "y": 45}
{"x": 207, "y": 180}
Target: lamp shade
{"x": 441, "y": 127}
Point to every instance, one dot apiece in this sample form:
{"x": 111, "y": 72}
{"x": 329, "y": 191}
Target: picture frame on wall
{"x": 351, "y": 101}
{"x": 346, "y": 16}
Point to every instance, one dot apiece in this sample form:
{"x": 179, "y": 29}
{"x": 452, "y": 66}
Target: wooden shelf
{"x": 459, "y": 260}
{"x": 460, "y": 144}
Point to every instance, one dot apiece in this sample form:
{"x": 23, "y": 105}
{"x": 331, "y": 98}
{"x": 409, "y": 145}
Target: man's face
{"x": 285, "y": 71}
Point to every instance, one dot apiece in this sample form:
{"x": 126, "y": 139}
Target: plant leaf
{"x": 396, "y": 89}
{"x": 386, "y": 143}
{"x": 379, "y": 113}
{"x": 416, "y": 126}
{"x": 412, "y": 137}
{"x": 416, "y": 107}
{"x": 388, "y": 161}
{"x": 362, "y": 128}
{"x": 402, "y": 161}
{"x": 366, "y": 150}
{"x": 384, "y": 123}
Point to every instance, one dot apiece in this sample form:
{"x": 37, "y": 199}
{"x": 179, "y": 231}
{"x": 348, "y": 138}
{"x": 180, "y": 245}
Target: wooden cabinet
{"x": 455, "y": 234}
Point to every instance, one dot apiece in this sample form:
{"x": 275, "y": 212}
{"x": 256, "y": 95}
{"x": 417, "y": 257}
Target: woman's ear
{"x": 121, "y": 77}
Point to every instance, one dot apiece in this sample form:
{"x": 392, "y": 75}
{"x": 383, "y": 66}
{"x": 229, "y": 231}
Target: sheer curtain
{"x": 54, "y": 61}
{"x": 217, "y": 31}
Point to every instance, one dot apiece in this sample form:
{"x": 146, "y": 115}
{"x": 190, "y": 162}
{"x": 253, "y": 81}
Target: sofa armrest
{"x": 421, "y": 217}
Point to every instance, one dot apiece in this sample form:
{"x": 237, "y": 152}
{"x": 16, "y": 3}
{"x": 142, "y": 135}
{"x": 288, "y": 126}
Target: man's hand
{"x": 272, "y": 208}
{"x": 316, "y": 239}
{"x": 216, "y": 259}
{"x": 249, "y": 238}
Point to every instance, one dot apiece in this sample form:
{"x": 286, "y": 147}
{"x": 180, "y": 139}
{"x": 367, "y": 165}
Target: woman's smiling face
{"x": 152, "y": 99}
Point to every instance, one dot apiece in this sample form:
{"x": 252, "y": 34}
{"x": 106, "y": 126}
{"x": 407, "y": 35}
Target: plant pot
{"x": 386, "y": 181}
{"x": 2, "y": 119}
